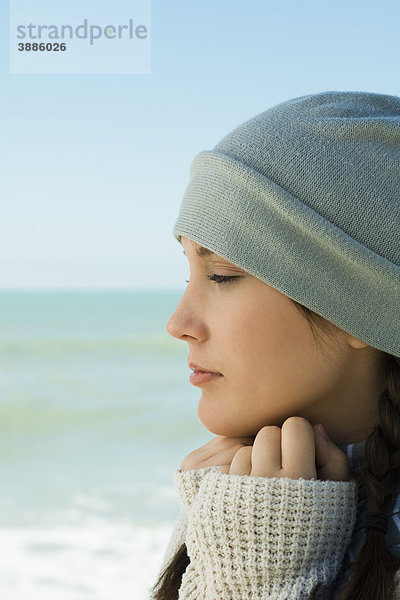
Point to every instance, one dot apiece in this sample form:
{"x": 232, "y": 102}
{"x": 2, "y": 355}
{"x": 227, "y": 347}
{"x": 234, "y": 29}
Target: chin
{"x": 226, "y": 428}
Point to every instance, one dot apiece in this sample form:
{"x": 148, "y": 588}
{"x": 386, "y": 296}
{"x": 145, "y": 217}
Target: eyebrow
{"x": 202, "y": 252}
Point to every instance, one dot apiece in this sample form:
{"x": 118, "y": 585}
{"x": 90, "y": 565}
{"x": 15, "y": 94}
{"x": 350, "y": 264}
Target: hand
{"x": 297, "y": 450}
{"x": 219, "y": 452}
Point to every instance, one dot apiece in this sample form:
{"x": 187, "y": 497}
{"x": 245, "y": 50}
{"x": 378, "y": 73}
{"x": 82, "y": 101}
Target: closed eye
{"x": 222, "y": 278}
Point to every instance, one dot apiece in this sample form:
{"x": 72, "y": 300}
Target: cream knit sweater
{"x": 256, "y": 538}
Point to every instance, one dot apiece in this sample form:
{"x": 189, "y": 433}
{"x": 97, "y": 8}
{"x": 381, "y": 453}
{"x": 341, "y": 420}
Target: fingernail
{"x": 323, "y": 432}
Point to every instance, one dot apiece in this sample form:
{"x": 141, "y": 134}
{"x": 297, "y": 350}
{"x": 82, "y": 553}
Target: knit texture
{"x": 188, "y": 484}
{"x": 306, "y": 197}
{"x": 262, "y": 538}
{"x": 189, "y": 487}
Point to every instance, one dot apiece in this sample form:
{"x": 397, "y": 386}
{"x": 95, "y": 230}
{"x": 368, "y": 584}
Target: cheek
{"x": 272, "y": 365}
{"x": 273, "y": 352}
{"x": 267, "y": 337}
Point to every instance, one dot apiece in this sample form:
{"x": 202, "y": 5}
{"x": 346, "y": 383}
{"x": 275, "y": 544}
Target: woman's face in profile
{"x": 269, "y": 363}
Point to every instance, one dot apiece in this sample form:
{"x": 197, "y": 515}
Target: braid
{"x": 381, "y": 475}
{"x": 372, "y": 574}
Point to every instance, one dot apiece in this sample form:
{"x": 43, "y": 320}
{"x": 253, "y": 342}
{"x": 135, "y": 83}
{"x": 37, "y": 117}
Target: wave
{"x": 97, "y": 561}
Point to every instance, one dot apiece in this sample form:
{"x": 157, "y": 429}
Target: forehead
{"x": 202, "y": 252}
{"x": 199, "y": 250}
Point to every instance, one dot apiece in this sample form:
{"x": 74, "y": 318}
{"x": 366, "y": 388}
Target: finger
{"x": 222, "y": 458}
{"x": 241, "y": 463}
{"x": 266, "y": 454}
{"x": 331, "y": 461}
{"x": 298, "y": 449}
{"x": 219, "y": 443}
{"x": 224, "y": 468}
{"x": 206, "y": 453}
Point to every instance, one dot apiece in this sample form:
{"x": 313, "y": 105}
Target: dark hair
{"x": 373, "y": 572}
{"x": 170, "y": 578}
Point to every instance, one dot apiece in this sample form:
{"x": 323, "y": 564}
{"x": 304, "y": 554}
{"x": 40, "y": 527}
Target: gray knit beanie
{"x": 306, "y": 197}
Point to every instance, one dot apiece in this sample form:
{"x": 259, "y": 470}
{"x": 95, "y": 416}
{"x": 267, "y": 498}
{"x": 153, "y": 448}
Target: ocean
{"x": 96, "y": 412}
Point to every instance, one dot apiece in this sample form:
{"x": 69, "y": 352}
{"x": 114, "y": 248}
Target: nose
{"x": 185, "y": 322}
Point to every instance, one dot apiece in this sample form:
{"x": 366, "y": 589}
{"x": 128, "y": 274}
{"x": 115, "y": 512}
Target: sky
{"x": 93, "y": 166}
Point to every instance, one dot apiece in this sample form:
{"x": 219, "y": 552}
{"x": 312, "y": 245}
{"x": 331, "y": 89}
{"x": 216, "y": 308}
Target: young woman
{"x": 291, "y": 226}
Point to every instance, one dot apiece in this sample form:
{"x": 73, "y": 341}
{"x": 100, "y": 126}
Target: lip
{"x": 201, "y": 375}
{"x": 200, "y": 378}
{"x": 200, "y": 369}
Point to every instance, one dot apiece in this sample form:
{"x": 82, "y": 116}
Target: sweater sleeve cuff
{"x": 188, "y": 483}
{"x": 274, "y": 538}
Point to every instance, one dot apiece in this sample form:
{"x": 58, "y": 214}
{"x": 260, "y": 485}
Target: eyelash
{"x": 220, "y": 278}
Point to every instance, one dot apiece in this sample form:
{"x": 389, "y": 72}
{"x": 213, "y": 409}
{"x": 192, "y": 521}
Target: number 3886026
{"x": 42, "y": 47}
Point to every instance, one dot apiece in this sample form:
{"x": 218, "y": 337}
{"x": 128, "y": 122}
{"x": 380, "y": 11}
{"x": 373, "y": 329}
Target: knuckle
{"x": 192, "y": 455}
{"x": 184, "y": 465}
{"x": 303, "y": 474}
{"x": 269, "y": 429}
{"x": 244, "y": 451}
{"x": 341, "y": 461}
{"x": 190, "y": 460}
{"x": 297, "y": 422}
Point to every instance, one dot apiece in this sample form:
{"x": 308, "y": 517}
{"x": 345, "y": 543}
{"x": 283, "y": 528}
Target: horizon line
{"x": 88, "y": 290}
